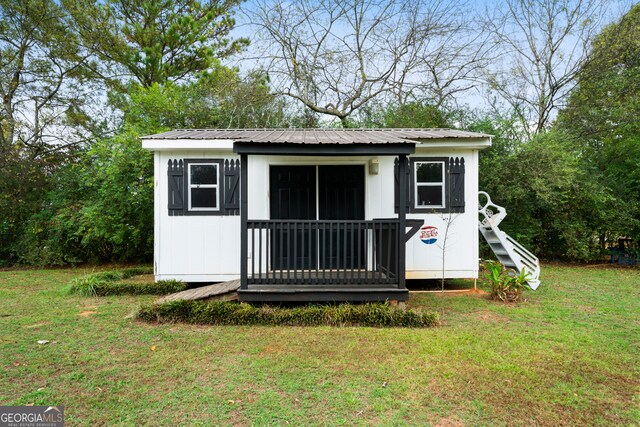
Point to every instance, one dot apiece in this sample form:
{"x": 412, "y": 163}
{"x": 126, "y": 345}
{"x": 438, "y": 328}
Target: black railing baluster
{"x": 295, "y": 251}
{"x": 330, "y": 249}
{"x": 373, "y": 252}
{"x": 260, "y": 252}
{"x": 366, "y": 252}
{"x": 379, "y": 252}
{"x": 351, "y": 253}
{"x": 399, "y": 237}
{"x": 387, "y": 248}
{"x": 270, "y": 248}
{"x": 320, "y": 254}
{"x": 343, "y": 258}
{"x": 359, "y": 251}
{"x": 281, "y": 270}
{"x": 304, "y": 266}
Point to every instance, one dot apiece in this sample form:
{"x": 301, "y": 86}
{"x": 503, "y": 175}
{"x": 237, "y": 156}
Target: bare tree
{"x": 543, "y": 43}
{"x": 448, "y": 62}
{"x": 335, "y": 56}
{"x": 38, "y": 60}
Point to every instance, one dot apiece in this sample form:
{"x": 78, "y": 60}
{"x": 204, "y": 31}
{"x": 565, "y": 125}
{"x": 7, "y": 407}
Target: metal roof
{"x": 318, "y": 136}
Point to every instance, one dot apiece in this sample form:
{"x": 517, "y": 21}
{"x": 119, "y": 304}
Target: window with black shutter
{"x": 203, "y": 187}
{"x": 434, "y": 184}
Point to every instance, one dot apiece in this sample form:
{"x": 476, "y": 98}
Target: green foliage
{"x": 109, "y": 283}
{"x": 41, "y": 69}
{"x": 555, "y": 207}
{"x": 506, "y": 284}
{"x": 101, "y": 210}
{"x": 219, "y": 99}
{"x": 156, "y": 41}
{"x": 231, "y": 313}
{"x": 602, "y": 119}
{"x": 22, "y": 183}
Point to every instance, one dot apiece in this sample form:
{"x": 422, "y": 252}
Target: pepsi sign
{"x": 428, "y": 234}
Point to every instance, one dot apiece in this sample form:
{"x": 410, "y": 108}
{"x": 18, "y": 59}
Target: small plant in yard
{"x": 107, "y": 283}
{"x": 506, "y": 284}
{"x": 232, "y": 313}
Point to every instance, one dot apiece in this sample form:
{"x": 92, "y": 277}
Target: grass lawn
{"x": 568, "y": 356}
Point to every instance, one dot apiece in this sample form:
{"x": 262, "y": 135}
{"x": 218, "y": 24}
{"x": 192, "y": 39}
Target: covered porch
{"x": 310, "y": 249}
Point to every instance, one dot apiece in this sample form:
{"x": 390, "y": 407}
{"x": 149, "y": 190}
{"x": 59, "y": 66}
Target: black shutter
{"x": 231, "y": 192}
{"x": 175, "y": 174}
{"x": 456, "y": 184}
{"x": 396, "y": 196}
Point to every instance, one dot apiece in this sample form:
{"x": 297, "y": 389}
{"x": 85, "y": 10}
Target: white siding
{"x": 193, "y": 248}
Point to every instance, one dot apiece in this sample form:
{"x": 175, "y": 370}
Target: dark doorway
{"x": 293, "y": 196}
{"x": 340, "y": 195}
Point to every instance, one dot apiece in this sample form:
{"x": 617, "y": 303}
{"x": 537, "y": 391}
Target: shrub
{"x": 506, "y": 284}
{"x": 108, "y": 283}
{"x": 233, "y": 313}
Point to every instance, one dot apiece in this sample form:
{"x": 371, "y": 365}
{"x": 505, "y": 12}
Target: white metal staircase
{"x": 509, "y": 252}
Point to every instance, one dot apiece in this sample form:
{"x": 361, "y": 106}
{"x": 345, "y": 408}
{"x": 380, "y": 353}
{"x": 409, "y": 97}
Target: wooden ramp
{"x": 220, "y": 290}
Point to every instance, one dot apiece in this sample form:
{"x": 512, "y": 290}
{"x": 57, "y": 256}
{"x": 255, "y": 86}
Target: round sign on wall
{"x": 428, "y": 234}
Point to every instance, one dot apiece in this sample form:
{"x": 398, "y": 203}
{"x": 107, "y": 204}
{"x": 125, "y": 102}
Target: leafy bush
{"x": 233, "y": 313}
{"x": 108, "y": 283}
{"x": 506, "y": 284}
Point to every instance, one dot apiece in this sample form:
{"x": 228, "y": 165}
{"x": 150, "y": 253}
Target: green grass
{"x": 568, "y": 356}
{"x": 129, "y": 281}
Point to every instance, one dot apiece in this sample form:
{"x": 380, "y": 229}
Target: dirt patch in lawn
{"x": 456, "y": 293}
{"x": 448, "y": 422}
{"x": 36, "y": 325}
{"x": 490, "y": 316}
{"x": 87, "y": 313}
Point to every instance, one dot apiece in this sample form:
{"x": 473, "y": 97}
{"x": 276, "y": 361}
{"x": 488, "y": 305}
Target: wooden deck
{"x": 328, "y": 285}
{"x": 292, "y": 292}
{"x": 204, "y": 292}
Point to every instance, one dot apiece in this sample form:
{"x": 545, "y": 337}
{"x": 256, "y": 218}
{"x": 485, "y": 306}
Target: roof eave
{"x": 287, "y": 149}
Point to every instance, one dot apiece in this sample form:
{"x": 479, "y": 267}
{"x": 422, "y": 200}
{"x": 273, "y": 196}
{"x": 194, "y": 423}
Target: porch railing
{"x": 324, "y": 252}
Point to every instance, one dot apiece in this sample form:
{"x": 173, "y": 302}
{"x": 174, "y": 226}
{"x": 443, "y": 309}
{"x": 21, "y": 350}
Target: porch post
{"x": 244, "y": 244}
{"x": 402, "y": 216}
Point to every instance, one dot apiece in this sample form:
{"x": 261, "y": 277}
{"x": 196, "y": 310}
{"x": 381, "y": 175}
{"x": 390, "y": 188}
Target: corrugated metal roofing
{"x": 319, "y": 136}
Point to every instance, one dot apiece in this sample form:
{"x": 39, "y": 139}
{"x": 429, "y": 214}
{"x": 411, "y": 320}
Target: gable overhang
{"x": 466, "y": 143}
{"x": 187, "y": 144}
{"x": 292, "y": 149}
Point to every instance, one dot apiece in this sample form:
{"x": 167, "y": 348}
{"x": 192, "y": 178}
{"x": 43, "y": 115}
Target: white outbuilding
{"x": 316, "y": 214}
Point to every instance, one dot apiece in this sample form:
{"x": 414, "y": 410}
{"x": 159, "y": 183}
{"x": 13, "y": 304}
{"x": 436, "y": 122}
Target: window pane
{"x": 429, "y": 172}
{"x": 430, "y": 195}
{"x": 203, "y": 197}
{"x": 204, "y": 174}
